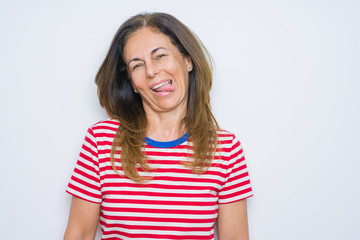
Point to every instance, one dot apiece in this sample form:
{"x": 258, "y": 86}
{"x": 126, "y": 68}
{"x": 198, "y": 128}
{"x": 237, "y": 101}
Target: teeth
{"x": 161, "y": 84}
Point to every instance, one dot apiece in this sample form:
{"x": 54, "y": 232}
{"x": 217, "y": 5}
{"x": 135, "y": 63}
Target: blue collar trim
{"x": 169, "y": 144}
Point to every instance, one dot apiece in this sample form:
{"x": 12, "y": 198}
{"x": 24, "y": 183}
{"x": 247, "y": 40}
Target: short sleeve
{"x": 237, "y": 183}
{"x": 85, "y": 181}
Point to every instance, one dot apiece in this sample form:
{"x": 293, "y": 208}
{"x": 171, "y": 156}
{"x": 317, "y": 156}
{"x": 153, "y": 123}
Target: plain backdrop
{"x": 286, "y": 83}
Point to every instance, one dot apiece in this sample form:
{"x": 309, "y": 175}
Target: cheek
{"x": 179, "y": 70}
{"x": 137, "y": 80}
{"x": 184, "y": 76}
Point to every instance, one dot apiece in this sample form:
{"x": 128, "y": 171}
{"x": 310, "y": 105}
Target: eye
{"x": 136, "y": 66}
{"x": 160, "y": 56}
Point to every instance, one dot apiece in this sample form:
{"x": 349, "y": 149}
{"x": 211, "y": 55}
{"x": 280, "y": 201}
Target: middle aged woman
{"x": 160, "y": 168}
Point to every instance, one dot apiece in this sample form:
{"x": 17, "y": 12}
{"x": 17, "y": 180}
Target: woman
{"x": 160, "y": 168}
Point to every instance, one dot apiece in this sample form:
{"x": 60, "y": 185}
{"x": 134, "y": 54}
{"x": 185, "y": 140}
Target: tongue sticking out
{"x": 168, "y": 87}
{"x": 165, "y": 88}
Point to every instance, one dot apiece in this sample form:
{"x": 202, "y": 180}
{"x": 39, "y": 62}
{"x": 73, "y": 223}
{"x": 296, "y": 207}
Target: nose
{"x": 151, "y": 70}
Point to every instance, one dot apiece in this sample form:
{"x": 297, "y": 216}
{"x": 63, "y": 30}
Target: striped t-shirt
{"x": 175, "y": 203}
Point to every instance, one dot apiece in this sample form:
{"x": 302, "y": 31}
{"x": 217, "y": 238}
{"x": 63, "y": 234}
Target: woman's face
{"x": 158, "y": 71}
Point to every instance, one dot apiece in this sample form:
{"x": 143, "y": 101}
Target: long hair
{"x": 116, "y": 95}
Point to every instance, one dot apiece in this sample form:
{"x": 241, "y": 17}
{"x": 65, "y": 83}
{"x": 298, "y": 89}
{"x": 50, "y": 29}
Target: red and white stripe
{"x": 174, "y": 204}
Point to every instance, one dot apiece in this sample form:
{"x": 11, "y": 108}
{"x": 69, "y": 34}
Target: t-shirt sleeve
{"x": 237, "y": 183}
{"x": 85, "y": 181}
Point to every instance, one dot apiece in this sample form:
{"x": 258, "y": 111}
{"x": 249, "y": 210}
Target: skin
{"x": 150, "y": 62}
{"x": 232, "y": 221}
{"x": 153, "y": 61}
{"x": 83, "y": 220}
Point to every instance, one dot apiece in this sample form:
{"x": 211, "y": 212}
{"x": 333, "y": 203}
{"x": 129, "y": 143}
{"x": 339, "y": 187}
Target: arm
{"x": 232, "y": 221}
{"x": 83, "y": 220}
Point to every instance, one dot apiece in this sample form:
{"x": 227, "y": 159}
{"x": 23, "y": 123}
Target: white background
{"x": 286, "y": 82}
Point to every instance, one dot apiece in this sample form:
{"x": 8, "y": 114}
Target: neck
{"x": 165, "y": 126}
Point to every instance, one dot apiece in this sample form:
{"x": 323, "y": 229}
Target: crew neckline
{"x": 168, "y": 144}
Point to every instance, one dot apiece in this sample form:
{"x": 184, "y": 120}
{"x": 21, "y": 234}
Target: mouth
{"x": 162, "y": 87}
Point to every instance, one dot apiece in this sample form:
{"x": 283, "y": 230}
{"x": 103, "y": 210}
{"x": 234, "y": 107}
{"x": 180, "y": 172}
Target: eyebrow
{"x": 152, "y": 52}
{"x": 156, "y": 49}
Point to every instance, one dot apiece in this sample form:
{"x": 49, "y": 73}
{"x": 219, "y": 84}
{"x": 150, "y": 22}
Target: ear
{"x": 135, "y": 89}
{"x": 189, "y": 64}
{"x": 132, "y": 84}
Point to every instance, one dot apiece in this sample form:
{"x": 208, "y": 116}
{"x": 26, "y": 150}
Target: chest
{"x": 172, "y": 187}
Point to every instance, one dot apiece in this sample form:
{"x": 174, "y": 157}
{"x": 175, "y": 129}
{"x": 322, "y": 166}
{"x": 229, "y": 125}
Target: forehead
{"x": 143, "y": 41}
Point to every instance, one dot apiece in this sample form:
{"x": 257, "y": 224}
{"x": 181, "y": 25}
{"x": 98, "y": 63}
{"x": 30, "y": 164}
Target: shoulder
{"x": 107, "y": 126}
{"x": 225, "y": 136}
{"x": 227, "y": 141}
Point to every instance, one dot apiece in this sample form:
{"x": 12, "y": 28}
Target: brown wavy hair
{"x": 116, "y": 95}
